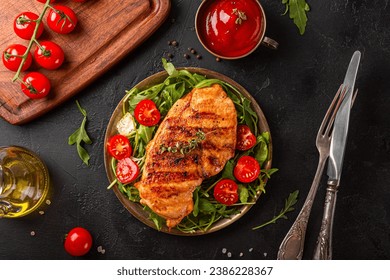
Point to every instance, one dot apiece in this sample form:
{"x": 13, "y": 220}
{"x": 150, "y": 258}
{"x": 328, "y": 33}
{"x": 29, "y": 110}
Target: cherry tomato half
{"x": 247, "y": 169}
{"x": 245, "y": 138}
{"x": 147, "y": 113}
{"x": 12, "y": 57}
{"x": 49, "y": 55}
{"x": 78, "y": 242}
{"x": 24, "y": 25}
{"x": 226, "y": 192}
{"x": 119, "y": 147}
{"x": 126, "y": 170}
{"x": 61, "y": 19}
{"x": 35, "y": 85}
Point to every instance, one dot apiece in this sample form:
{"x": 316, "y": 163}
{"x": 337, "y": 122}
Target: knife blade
{"x": 341, "y": 123}
{"x": 323, "y": 249}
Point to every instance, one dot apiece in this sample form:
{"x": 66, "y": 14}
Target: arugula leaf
{"x": 297, "y": 12}
{"x": 80, "y": 135}
{"x": 288, "y": 207}
{"x": 243, "y": 193}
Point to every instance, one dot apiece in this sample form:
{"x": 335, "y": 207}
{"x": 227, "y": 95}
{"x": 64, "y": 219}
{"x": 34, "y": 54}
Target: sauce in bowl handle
{"x": 270, "y": 43}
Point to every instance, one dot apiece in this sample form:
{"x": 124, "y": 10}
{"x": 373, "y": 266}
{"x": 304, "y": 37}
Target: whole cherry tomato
{"x": 119, "y": 146}
{"x": 12, "y": 57}
{"x": 147, "y": 113}
{"x": 226, "y": 192}
{"x": 61, "y": 19}
{"x": 247, "y": 169}
{"x": 78, "y": 242}
{"x": 35, "y": 85}
{"x": 126, "y": 170}
{"x": 24, "y": 25}
{"x": 49, "y": 55}
{"x": 245, "y": 138}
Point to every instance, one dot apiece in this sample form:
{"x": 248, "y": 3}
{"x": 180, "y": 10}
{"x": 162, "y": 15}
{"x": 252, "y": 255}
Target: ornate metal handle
{"x": 293, "y": 243}
{"x": 323, "y": 250}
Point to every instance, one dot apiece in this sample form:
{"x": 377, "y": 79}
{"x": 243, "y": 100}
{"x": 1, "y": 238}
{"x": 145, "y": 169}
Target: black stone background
{"x": 293, "y": 85}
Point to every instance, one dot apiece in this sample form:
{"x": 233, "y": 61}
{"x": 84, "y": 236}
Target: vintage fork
{"x": 292, "y": 245}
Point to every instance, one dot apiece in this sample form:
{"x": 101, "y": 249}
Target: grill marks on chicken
{"x": 169, "y": 179}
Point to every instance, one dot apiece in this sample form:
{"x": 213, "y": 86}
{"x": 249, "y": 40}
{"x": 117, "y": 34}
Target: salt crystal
{"x": 224, "y": 250}
{"x": 229, "y": 255}
{"x": 265, "y": 255}
{"x": 99, "y": 249}
{"x": 41, "y": 212}
{"x": 48, "y": 202}
{"x": 250, "y": 250}
{"x": 32, "y": 233}
{"x": 241, "y": 254}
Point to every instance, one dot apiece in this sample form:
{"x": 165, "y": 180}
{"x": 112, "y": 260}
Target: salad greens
{"x": 81, "y": 135}
{"x": 207, "y": 211}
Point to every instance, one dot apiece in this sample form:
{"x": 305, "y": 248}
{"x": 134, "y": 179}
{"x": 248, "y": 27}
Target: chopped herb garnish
{"x": 184, "y": 148}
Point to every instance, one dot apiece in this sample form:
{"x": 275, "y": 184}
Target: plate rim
{"x": 136, "y": 209}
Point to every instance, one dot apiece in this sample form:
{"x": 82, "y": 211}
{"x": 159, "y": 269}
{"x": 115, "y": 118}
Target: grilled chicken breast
{"x": 169, "y": 178}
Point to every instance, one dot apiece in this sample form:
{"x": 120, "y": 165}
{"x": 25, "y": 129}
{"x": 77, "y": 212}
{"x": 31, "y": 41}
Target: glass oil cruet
{"x": 24, "y": 182}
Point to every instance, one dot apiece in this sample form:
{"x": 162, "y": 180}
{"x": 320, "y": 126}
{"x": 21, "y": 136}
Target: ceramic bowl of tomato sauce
{"x": 232, "y": 29}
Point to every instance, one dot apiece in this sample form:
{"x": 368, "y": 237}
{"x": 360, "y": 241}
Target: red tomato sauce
{"x": 231, "y": 28}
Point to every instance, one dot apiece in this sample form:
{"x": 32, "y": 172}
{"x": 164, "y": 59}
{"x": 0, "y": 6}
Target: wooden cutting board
{"x": 106, "y": 31}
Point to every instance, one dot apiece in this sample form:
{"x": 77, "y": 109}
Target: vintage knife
{"x": 323, "y": 248}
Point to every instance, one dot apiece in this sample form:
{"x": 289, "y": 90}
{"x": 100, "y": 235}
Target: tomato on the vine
{"x": 61, "y": 19}
{"x": 147, "y": 113}
{"x": 245, "y": 138}
{"x": 12, "y": 57}
{"x": 127, "y": 170}
{"x": 226, "y": 192}
{"x": 247, "y": 169}
{"x": 24, "y": 25}
{"x": 49, "y": 55}
{"x": 119, "y": 147}
{"x": 78, "y": 242}
{"x": 35, "y": 85}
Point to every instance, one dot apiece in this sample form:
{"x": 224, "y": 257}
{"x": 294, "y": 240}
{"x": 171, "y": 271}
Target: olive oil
{"x": 24, "y": 182}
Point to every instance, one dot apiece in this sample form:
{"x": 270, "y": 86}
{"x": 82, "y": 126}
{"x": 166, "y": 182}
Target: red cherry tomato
{"x": 50, "y": 56}
{"x": 35, "y": 85}
{"x": 126, "y": 170}
{"x": 119, "y": 147}
{"x": 78, "y": 242}
{"x": 247, "y": 169}
{"x": 147, "y": 113}
{"x": 24, "y": 25}
{"x": 226, "y": 192}
{"x": 245, "y": 138}
{"x": 12, "y": 57}
{"x": 61, "y": 19}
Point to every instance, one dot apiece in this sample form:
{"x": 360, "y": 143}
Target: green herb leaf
{"x": 297, "y": 12}
{"x": 288, "y": 207}
{"x": 80, "y": 136}
{"x": 228, "y": 170}
{"x": 243, "y": 193}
